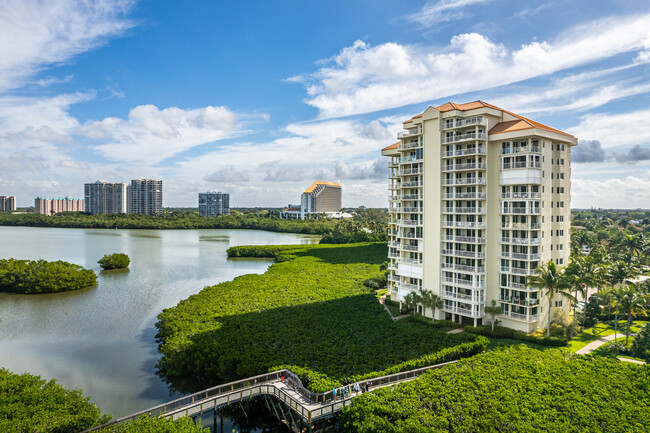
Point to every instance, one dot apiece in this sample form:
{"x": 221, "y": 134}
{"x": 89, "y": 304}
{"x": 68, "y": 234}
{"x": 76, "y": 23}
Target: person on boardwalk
{"x": 356, "y": 388}
{"x": 333, "y": 393}
{"x": 342, "y": 393}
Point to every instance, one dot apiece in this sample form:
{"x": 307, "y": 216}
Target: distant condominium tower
{"x": 212, "y": 204}
{"x": 50, "y": 206}
{"x": 479, "y": 198}
{"x": 146, "y": 196}
{"x": 105, "y": 197}
{"x": 320, "y": 197}
{"x": 7, "y": 203}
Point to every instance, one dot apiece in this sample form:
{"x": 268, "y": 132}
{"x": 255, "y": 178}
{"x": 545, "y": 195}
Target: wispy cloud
{"x": 436, "y": 12}
{"x": 38, "y": 34}
{"x": 364, "y": 78}
{"x": 615, "y": 130}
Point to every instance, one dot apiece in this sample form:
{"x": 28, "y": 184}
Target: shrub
{"x": 501, "y": 332}
{"x": 641, "y": 343}
{"x": 146, "y": 424}
{"x": 40, "y": 276}
{"x": 114, "y": 261}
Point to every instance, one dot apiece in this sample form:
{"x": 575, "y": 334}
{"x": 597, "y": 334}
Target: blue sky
{"x": 260, "y": 98}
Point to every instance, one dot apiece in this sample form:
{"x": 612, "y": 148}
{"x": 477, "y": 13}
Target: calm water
{"x": 101, "y": 339}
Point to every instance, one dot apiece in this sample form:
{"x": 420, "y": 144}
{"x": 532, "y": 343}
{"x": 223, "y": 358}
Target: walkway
{"x": 597, "y": 343}
{"x": 382, "y": 301}
{"x": 306, "y": 405}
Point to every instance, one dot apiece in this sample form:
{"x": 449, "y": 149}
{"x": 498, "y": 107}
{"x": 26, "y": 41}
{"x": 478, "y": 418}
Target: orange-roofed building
{"x": 479, "y": 198}
{"x": 320, "y": 198}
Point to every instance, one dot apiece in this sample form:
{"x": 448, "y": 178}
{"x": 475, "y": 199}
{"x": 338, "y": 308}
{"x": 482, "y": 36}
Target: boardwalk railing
{"x": 310, "y": 406}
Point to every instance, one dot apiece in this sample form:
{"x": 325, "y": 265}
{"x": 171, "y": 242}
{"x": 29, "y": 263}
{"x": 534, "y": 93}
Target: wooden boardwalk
{"x": 307, "y": 406}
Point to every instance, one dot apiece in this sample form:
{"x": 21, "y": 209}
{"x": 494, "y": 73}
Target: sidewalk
{"x": 597, "y": 343}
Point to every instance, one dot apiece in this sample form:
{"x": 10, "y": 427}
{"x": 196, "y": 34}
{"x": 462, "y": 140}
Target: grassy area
{"x": 601, "y": 330}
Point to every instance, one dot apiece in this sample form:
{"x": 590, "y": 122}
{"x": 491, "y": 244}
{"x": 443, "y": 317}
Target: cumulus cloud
{"x": 150, "y": 135}
{"x": 46, "y": 33}
{"x": 364, "y": 78}
{"x": 228, "y": 174}
{"x": 614, "y": 129}
{"x": 633, "y": 155}
{"x": 435, "y": 12}
{"x": 588, "y": 151}
{"x": 626, "y": 192}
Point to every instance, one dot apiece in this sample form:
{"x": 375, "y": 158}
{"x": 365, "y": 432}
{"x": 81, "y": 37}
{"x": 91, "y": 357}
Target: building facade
{"x": 145, "y": 196}
{"x": 7, "y": 203}
{"x": 479, "y": 198}
{"x": 320, "y": 198}
{"x": 212, "y": 204}
{"x": 50, "y": 206}
{"x": 105, "y": 197}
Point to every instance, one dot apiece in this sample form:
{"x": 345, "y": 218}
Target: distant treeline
{"x": 334, "y": 231}
{"x": 40, "y": 276}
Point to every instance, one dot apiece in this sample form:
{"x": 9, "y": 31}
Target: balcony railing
{"x": 460, "y": 152}
{"x": 529, "y": 164}
{"x": 463, "y": 268}
{"x": 412, "y": 209}
{"x": 408, "y": 286}
{"x": 518, "y": 271}
{"x": 516, "y": 150}
{"x": 518, "y": 301}
{"x": 469, "y": 239}
{"x": 411, "y": 184}
{"x": 462, "y": 311}
{"x": 522, "y": 210}
{"x": 463, "y": 283}
{"x": 410, "y": 261}
{"x": 519, "y": 256}
{"x": 523, "y": 317}
{"x": 409, "y": 222}
{"x": 465, "y": 181}
{"x": 408, "y": 133}
{"x": 410, "y": 145}
{"x": 465, "y": 137}
{"x": 406, "y": 247}
{"x": 463, "y": 297}
{"x": 464, "y": 225}
{"x": 463, "y": 253}
{"x": 464, "y": 195}
{"x": 466, "y": 166}
{"x": 521, "y": 226}
{"x": 525, "y": 195}
{"x": 410, "y": 158}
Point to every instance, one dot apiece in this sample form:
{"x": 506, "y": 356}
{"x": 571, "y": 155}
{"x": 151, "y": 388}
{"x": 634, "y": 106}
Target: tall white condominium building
{"x": 105, "y": 197}
{"x": 146, "y": 196}
{"x": 320, "y": 197}
{"x": 212, "y": 204}
{"x": 479, "y": 198}
{"x": 7, "y": 203}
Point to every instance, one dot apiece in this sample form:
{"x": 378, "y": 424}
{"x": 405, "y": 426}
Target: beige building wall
{"x": 479, "y": 198}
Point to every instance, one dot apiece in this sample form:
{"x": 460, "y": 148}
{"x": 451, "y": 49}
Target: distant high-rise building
{"x": 212, "y": 204}
{"x": 7, "y": 203}
{"x": 105, "y": 197}
{"x": 50, "y": 206}
{"x": 320, "y": 197}
{"x": 146, "y": 196}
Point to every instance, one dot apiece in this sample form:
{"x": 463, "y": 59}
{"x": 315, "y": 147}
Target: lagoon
{"x": 101, "y": 339}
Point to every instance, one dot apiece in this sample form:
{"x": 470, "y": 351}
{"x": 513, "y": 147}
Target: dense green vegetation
{"x": 310, "y": 311}
{"x": 114, "y": 261}
{"x": 507, "y": 333}
{"x": 363, "y": 229}
{"x": 146, "y": 424}
{"x": 515, "y": 389}
{"x": 30, "y": 404}
{"x": 40, "y": 276}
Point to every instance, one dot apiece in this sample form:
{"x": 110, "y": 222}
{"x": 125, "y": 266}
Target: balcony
{"x": 463, "y": 283}
{"x": 409, "y": 222}
{"x": 410, "y": 261}
{"x": 521, "y": 241}
{"x": 519, "y": 256}
{"x": 461, "y": 152}
{"x": 522, "y": 317}
{"x": 409, "y": 236}
{"x": 411, "y": 197}
{"x": 518, "y": 301}
{"x": 412, "y": 209}
{"x": 464, "y": 225}
{"x": 463, "y": 297}
{"x": 463, "y": 253}
{"x": 465, "y": 195}
{"x": 408, "y": 133}
{"x": 410, "y": 158}
{"x": 393, "y": 278}
{"x": 518, "y": 271}
{"x": 407, "y": 171}
{"x": 521, "y": 226}
{"x": 465, "y": 137}
{"x": 524, "y": 195}
{"x": 407, "y": 286}
{"x": 469, "y": 239}
{"x": 410, "y": 145}
{"x": 406, "y": 247}
{"x": 466, "y": 166}
{"x": 529, "y": 164}
{"x": 521, "y": 210}
{"x": 465, "y": 181}
{"x": 393, "y": 256}
{"x": 513, "y": 285}
{"x": 411, "y": 184}
{"x": 462, "y": 311}
{"x": 463, "y": 268}
{"x": 518, "y": 150}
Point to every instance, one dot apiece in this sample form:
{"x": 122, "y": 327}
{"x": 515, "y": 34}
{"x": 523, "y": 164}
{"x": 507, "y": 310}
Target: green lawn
{"x": 601, "y": 330}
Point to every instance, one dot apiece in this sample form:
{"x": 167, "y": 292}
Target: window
{"x": 559, "y": 218}
{"x": 558, "y": 304}
{"x": 560, "y": 175}
{"x": 560, "y": 190}
{"x": 560, "y": 247}
{"x": 560, "y": 161}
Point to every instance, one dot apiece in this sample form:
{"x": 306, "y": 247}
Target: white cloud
{"x": 362, "y": 78}
{"x": 615, "y": 130}
{"x": 41, "y": 33}
{"x": 442, "y": 11}
{"x": 149, "y": 135}
{"x": 627, "y": 192}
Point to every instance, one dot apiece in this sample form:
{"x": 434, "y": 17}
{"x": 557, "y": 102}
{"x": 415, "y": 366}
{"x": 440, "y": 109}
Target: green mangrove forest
{"x": 41, "y": 276}
{"x": 309, "y": 312}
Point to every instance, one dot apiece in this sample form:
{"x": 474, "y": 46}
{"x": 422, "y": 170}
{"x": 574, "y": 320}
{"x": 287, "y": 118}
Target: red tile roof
{"x": 392, "y": 146}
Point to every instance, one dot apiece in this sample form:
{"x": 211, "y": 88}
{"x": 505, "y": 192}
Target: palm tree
{"x": 411, "y": 300}
{"x": 494, "y": 310}
{"x": 614, "y": 297}
{"x": 620, "y": 273}
{"x": 425, "y": 296}
{"x": 435, "y": 302}
{"x": 549, "y": 278}
{"x": 633, "y": 302}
